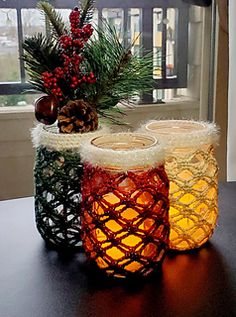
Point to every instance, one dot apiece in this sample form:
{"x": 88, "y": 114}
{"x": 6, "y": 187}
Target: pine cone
{"x": 77, "y": 116}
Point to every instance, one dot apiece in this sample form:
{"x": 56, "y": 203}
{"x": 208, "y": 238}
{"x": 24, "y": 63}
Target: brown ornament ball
{"x": 46, "y": 108}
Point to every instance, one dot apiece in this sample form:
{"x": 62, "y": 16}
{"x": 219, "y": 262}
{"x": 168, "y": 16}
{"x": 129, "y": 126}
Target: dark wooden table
{"x": 39, "y": 282}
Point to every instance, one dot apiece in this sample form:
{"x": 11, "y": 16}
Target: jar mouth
{"x": 124, "y": 142}
{"x": 124, "y": 151}
{"x": 182, "y": 133}
{"x": 49, "y": 137}
{"x": 175, "y": 127}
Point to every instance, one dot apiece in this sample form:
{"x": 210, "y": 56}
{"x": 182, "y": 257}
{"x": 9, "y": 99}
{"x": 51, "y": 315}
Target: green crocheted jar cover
{"x": 58, "y": 197}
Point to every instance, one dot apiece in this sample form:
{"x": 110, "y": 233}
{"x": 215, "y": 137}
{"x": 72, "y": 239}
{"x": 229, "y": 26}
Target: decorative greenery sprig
{"x": 41, "y": 54}
{"x": 67, "y": 73}
{"x": 72, "y": 65}
{"x": 120, "y": 75}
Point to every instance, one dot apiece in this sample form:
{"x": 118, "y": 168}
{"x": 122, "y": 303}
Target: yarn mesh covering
{"x": 193, "y": 196}
{"x": 193, "y": 174}
{"x": 58, "y": 171}
{"x": 58, "y": 197}
{"x": 125, "y": 219}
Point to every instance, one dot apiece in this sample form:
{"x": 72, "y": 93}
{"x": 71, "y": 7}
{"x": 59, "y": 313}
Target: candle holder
{"x": 125, "y": 203}
{"x": 192, "y": 170}
{"x": 57, "y": 173}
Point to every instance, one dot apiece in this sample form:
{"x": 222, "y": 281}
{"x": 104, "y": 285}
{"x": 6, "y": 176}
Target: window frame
{"x": 9, "y": 88}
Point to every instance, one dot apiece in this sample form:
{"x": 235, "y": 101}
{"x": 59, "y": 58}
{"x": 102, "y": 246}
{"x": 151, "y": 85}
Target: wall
{"x": 16, "y": 153}
{"x": 221, "y": 98}
{"x": 231, "y": 153}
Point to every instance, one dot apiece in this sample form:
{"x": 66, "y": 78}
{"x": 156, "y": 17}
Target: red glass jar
{"x": 125, "y": 203}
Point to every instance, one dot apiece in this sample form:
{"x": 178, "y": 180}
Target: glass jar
{"x": 57, "y": 177}
{"x": 125, "y": 203}
{"x": 193, "y": 174}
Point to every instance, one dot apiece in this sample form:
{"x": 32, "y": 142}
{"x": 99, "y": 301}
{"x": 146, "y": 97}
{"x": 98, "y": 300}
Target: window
{"x": 164, "y": 27}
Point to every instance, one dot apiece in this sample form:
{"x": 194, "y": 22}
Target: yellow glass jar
{"x": 125, "y": 221}
{"x": 193, "y": 174}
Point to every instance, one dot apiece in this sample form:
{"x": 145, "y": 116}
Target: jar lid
{"x": 123, "y": 151}
{"x": 50, "y": 137}
{"x": 182, "y": 133}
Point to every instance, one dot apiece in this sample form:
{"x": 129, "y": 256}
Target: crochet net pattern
{"x": 193, "y": 196}
{"x": 125, "y": 221}
{"x": 58, "y": 197}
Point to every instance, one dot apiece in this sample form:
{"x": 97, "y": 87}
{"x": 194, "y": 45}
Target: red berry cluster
{"x": 91, "y": 78}
{"x": 59, "y": 72}
{"x": 78, "y": 36}
{"x": 70, "y": 74}
{"x": 77, "y": 81}
{"x": 51, "y": 83}
{"x": 87, "y": 31}
{"x": 76, "y": 32}
{"x": 84, "y": 34}
{"x": 66, "y": 41}
{"x": 74, "y": 18}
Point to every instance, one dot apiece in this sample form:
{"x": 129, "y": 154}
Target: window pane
{"x": 115, "y": 18}
{"x": 165, "y": 42}
{"x": 9, "y": 59}
{"x": 95, "y": 18}
{"x": 64, "y": 13}
{"x": 196, "y": 54}
{"x": 157, "y": 42}
{"x": 134, "y": 29}
{"x": 95, "y": 23}
{"x": 32, "y": 22}
{"x": 171, "y": 27}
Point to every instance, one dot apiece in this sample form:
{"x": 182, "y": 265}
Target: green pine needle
{"x": 120, "y": 74}
{"x": 57, "y": 26}
{"x": 40, "y": 54}
{"x": 87, "y": 8}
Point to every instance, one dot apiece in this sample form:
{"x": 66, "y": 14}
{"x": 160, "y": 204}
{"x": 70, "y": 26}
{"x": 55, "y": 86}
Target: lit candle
{"x": 192, "y": 170}
{"x": 125, "y": 197}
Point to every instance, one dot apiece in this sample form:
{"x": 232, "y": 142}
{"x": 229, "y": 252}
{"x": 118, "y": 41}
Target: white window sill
{"x": 17, "y": 112}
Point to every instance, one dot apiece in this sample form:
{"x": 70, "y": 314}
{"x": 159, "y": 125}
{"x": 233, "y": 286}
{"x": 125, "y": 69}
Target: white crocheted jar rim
{"x": 182, "y": 133}
{"x": 123, "y": 151}
{"x": 51, "y": 138}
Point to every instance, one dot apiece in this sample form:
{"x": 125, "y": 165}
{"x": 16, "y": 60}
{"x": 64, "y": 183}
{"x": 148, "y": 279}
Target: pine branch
{"x": 57, "y": 25}
{"x": 40, "y": 54}
{"x": 120, "y": 75}
{"x": 113, "y": 116}
{"x": 87, "y": 8}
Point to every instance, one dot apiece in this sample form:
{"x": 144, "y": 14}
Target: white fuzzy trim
{"x": 49, "y": 137}
{"x": 182, "y": 133}
{"x": 123, "y": 160}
